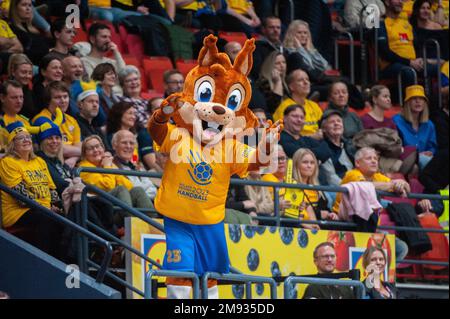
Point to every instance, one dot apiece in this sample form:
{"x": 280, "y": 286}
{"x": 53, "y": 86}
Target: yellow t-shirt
{"x": 194, "y": 188}
{"x": 400, "y": 39}
{"x": 100, "y": 3}
{"x": 445, "y": 6}
{"x": 240, "y": 6}
{"x": 5, "y": 5}
{"x": 312, "y": 116}
{"x": 273, "y": 179}
{"x": 355, "y": 175}
{"x": 38, "y": 182}
{"x": 444, "y": 69}
{"x": 408, "y": 8}
{"x": 106, "y": 182}
{"x": 194, "y": 6}
{"x": 70, "y": 129}
{"x": 5, "y": 30}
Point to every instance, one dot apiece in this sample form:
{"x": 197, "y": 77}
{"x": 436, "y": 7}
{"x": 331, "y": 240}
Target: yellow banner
{"x": 263, "y": 251}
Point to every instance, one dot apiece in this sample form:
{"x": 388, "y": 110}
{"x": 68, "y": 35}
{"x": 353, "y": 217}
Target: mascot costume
{"x": 203, "y": 157}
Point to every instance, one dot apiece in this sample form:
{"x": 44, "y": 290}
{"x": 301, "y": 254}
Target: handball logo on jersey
{"x": 200, "y": 172}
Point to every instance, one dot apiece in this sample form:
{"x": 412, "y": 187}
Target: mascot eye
{"x": 234, "y": 101}
{"x": 204, "y": 92}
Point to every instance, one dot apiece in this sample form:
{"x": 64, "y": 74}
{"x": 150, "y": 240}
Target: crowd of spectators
{"x": 92, "y": 110}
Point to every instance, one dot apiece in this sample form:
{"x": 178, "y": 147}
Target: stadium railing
{"x": 428, "y": 90}
{"x": 103, "y": 268}
{"x": 290, "y": 283}
{"x": 277, "y": 218}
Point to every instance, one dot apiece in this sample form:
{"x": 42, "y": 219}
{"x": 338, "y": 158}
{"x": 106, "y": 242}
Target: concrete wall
{"x": 26, "y": 272}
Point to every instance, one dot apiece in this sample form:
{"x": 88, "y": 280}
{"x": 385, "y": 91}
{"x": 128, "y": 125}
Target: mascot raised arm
{"x": 204, "y": 154}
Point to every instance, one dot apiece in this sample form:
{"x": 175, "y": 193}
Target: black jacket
{"x": 58, "y": 171}
{"x": 291, "y": 145}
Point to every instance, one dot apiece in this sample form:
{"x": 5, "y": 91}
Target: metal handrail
{"x": 118, "y": 279}
{"x": 246, "y": 279}
{"x": 352, "y": 54}
{"x": 291, "y": 281}
{"x": 85, "y": 223}
{"x": 62, "y": 220}
{"x": 236, "y": 181}
{"x": 425, "y": 68}
{"x": 175, "y": 274}
{"x": 400, "y": 81}
{"x": 422, "y": 262}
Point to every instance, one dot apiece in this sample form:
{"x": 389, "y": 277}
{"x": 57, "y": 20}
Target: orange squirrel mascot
{"x": 203, "y": 157}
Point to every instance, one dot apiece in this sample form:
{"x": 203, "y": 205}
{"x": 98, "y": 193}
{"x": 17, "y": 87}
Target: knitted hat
{"x": 15, "y": 128}
{"x": 47, "y": 128}
{"x": 81, "y": 90}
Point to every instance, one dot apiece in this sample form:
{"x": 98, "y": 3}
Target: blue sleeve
{"x": 432, "y": 142}
{"x": 444, "y": 80}
{"x": 145, "y": 143}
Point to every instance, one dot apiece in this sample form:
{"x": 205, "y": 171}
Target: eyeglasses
{"x": 327, "y": 257}
{"x": 132, "y": 80}
{"x": 282, "y": 159}
{"x": 23, "y": 138}
{"x": 94, "y": 147}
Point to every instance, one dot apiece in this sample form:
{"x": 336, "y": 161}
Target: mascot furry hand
{"x": 203, "y": 157}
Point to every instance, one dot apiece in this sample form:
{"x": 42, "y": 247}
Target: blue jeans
{"x": 392, "y": 71}
{"x": 39, "y": 22}
{"x": 401, "y": 249}
{"x": 114, "y": 15}
{"x": 424, "y": 160}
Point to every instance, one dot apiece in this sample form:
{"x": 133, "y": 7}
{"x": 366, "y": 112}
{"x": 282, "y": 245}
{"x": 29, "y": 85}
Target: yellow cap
{"x": 415, "y": 91}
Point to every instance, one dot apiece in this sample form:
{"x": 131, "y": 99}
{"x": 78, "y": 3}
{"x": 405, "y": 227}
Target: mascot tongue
{"x": 210, "y": 133}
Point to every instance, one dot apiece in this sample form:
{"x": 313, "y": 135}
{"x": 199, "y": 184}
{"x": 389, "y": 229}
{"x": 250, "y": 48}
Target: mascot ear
{"x": 244, "y": 61}
{"x": 209, "y": 53}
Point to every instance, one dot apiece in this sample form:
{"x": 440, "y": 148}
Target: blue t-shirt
{"x": 424, "y": 139}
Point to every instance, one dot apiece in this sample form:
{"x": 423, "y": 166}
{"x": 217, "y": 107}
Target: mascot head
{"x": 216, "y": 94}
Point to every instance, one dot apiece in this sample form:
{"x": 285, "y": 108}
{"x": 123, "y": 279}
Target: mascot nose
{"x": 218, "y": 110}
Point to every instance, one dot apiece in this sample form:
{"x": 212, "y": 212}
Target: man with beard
{"x": 101, "y": 44}
{"x": 325, "y": 261}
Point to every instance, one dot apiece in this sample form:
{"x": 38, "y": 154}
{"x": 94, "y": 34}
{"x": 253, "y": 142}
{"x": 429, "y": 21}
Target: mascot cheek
{"x": 187, "y": 115}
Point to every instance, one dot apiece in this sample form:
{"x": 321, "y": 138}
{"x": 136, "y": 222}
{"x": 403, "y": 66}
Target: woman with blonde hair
{"x": 20, "y": 68}
{"x": 21, "y": 16}
{"x": 306, "y": 171}
{"x": 414, "y": 126}
{"x": 298, "y": 40}
{"x": 272, "y": 80}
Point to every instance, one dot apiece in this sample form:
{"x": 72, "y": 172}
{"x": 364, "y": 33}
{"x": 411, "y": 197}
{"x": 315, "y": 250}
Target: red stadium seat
{"x": 151, "y": 94}
{"x": 81, "y": 36}
{"x": 154, "y": 68}
{"x": 185, "y": 66}
{"x": 233, "y": 36}
{"x": 144, "y": 80}
{"x": 135, "y": 46}
{"x": 132, "y": 60}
